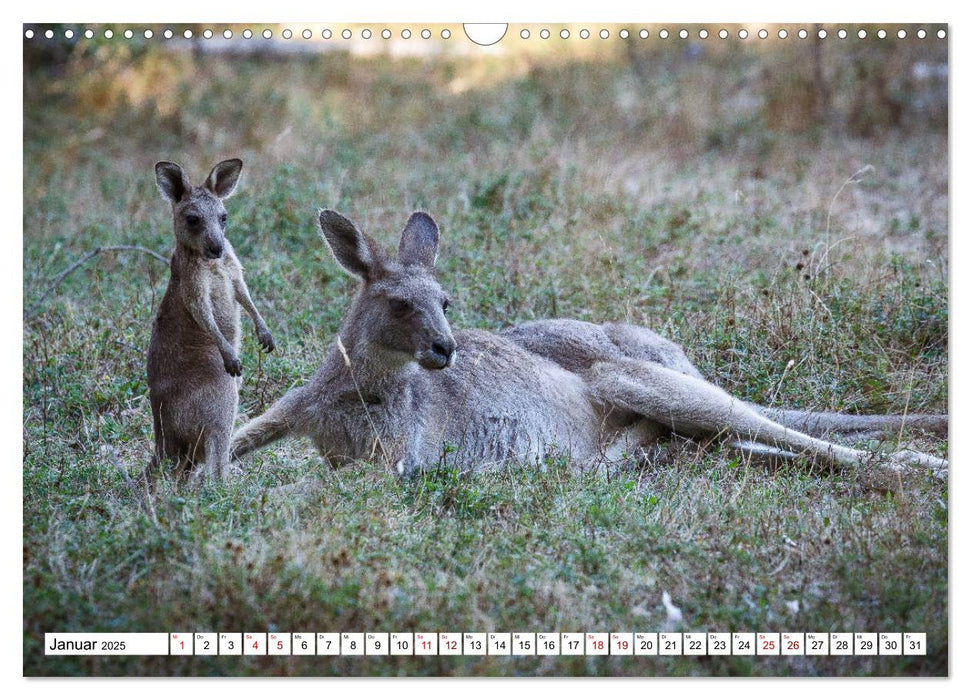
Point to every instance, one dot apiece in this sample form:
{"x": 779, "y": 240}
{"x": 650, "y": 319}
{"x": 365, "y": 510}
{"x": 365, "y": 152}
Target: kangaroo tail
{"x": 820, "y": 423}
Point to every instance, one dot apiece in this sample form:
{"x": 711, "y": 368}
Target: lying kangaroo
{"x": 193, "y": 356}
{"x": 397, "y": 387}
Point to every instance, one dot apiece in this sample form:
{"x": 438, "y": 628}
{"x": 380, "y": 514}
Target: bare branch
{"x": 78, "y": 263}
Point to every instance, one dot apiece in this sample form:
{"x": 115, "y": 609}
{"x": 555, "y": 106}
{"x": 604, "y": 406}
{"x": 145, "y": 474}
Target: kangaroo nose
{"x": 445, "y": 348}
{"x": 214, "y": 251}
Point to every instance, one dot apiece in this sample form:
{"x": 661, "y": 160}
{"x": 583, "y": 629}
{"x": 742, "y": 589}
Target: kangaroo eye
{"x": 445, "y": 305}
{"x": 222, "y": 219}
{"x": 192, "y": 220}
{"x": 399, "y": 307}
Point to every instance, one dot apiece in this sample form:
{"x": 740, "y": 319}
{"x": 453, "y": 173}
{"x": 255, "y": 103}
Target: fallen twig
{"x": 78, "y": 263}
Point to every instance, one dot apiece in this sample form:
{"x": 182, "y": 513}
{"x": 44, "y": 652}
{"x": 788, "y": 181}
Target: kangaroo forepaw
{"x": 266, "y": 340}
{"x": 233, "y": 366}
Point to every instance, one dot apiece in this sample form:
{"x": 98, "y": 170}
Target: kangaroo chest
{"x": 523, "y": 419}
{"x": 225, "y": 309}
{"x": 365, "y": 424}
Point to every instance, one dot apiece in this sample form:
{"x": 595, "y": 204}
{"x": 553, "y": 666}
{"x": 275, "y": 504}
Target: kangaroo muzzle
{"x": 214, "y": 251}
{"x": 439, "y": 355}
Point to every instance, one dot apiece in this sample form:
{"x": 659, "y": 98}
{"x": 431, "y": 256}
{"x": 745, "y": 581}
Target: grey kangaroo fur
{"x": 397, "y": 386}
{"x": 193, "y": 356}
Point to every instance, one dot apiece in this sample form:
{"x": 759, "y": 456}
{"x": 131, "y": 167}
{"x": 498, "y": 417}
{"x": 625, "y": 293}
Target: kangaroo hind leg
{"x": 216, "y": 464}
{"x": 694, "y": 407}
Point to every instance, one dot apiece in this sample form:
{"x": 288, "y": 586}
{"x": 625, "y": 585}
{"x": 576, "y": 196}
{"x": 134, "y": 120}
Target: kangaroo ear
{"x": 223, "y": 178}
{"x": 351, "y": 248}
{"x": 419, "y": 241}
{"x": 171, "y": 181}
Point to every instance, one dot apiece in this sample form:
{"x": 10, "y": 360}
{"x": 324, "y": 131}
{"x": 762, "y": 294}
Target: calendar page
{"x": 517, "y": 349}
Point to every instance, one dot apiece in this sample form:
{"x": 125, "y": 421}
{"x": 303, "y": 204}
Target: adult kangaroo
{"x": 398, "y": 388}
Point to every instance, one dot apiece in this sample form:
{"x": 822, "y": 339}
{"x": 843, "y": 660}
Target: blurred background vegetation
{"x": 778, "y": 206}
{"x": 639, "y": 178}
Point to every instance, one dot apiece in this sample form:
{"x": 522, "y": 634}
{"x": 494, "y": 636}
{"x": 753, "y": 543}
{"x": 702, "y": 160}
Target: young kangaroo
{"x": 396, "y": 386}
{"x": 193, "y": 360}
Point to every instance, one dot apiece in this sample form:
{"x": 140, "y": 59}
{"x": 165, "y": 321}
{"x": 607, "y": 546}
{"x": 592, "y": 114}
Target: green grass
{"x": 562, "y": 188}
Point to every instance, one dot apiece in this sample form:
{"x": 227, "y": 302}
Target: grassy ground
{"x": 672, "y": 197}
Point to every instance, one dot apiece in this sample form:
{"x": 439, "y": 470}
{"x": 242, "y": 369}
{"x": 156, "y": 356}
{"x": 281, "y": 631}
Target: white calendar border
{"x": 496, "y": 10}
